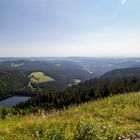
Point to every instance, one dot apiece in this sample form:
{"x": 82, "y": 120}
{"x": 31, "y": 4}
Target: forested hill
{"x": 84, "y": 92}
{"x": 64, "y": 73}
{"x": 127, "y": 72}
{"x": 10, "y": 81}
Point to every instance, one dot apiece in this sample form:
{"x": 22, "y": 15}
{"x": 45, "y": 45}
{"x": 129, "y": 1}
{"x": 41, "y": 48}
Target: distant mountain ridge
{"x": 64, "y": 72}
{"x": 125, "y": 72}
{"x": 98, "y": 66}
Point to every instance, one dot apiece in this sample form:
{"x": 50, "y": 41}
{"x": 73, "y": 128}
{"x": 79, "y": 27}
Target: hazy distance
{"x": 69, "y": 28}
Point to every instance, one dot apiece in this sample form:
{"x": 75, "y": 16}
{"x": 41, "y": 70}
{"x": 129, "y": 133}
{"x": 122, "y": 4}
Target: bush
{"x": 87, "y": 129}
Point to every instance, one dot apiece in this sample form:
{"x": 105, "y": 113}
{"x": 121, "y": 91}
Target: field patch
{"x": 77, "y": 81}
{"x": 58, "y": 65}
{"x": 16, "y": 65}
{"x": 40, "y": 77}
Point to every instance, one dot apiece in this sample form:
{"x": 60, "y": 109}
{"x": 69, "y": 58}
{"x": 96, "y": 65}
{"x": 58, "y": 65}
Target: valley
{"x": 69, "y": 70}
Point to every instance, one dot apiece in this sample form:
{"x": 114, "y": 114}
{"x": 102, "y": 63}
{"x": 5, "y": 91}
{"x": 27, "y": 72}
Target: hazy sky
{"x": 69, "y": 28}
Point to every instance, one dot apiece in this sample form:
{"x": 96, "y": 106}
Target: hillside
{"x": 120, "y": 73}
{"x": 10, "y": 81}
{"x": 112, "y": 118}
{"x": 64, "y": 72}
{"x": 100, "y": 66}
{"x": 87, "y": 91}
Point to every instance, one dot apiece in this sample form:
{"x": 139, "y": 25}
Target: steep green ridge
{"x": 106, "y": 119}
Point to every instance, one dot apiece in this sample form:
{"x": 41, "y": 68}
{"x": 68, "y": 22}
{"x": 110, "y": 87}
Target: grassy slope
{"x": 99, "y": 120}
{"x": 39, "y": 77}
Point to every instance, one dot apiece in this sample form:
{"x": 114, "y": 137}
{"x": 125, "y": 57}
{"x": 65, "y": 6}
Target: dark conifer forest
{"x": 12, "y": 81}
{"x": 84, "y": 92}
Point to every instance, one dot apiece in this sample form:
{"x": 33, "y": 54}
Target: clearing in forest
{"x": 40, "y": 77}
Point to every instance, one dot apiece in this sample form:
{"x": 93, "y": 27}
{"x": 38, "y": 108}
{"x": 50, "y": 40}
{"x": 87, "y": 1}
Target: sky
{"x": 93, "y": 28}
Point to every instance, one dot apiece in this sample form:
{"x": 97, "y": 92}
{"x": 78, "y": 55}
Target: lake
{"x": 12, "y": 101}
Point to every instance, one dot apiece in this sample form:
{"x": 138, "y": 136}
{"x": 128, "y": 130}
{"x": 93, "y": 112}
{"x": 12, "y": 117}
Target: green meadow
{"x": 111, "y": 118}
{"x": 40, "y": 77}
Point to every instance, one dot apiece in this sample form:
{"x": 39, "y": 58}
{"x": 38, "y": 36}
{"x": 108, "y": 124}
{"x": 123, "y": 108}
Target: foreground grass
{"x": 106, "y": 119}
{"x": 40, "y": 77}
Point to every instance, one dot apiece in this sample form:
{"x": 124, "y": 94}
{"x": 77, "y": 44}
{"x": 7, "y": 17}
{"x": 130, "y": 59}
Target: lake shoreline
{"x": 12, "y": 101}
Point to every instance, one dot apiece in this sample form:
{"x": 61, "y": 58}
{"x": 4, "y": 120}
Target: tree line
{"x": 84, "y": 92}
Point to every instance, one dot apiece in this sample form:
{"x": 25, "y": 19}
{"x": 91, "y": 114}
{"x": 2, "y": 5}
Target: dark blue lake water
{"x": 12, "y": 101}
